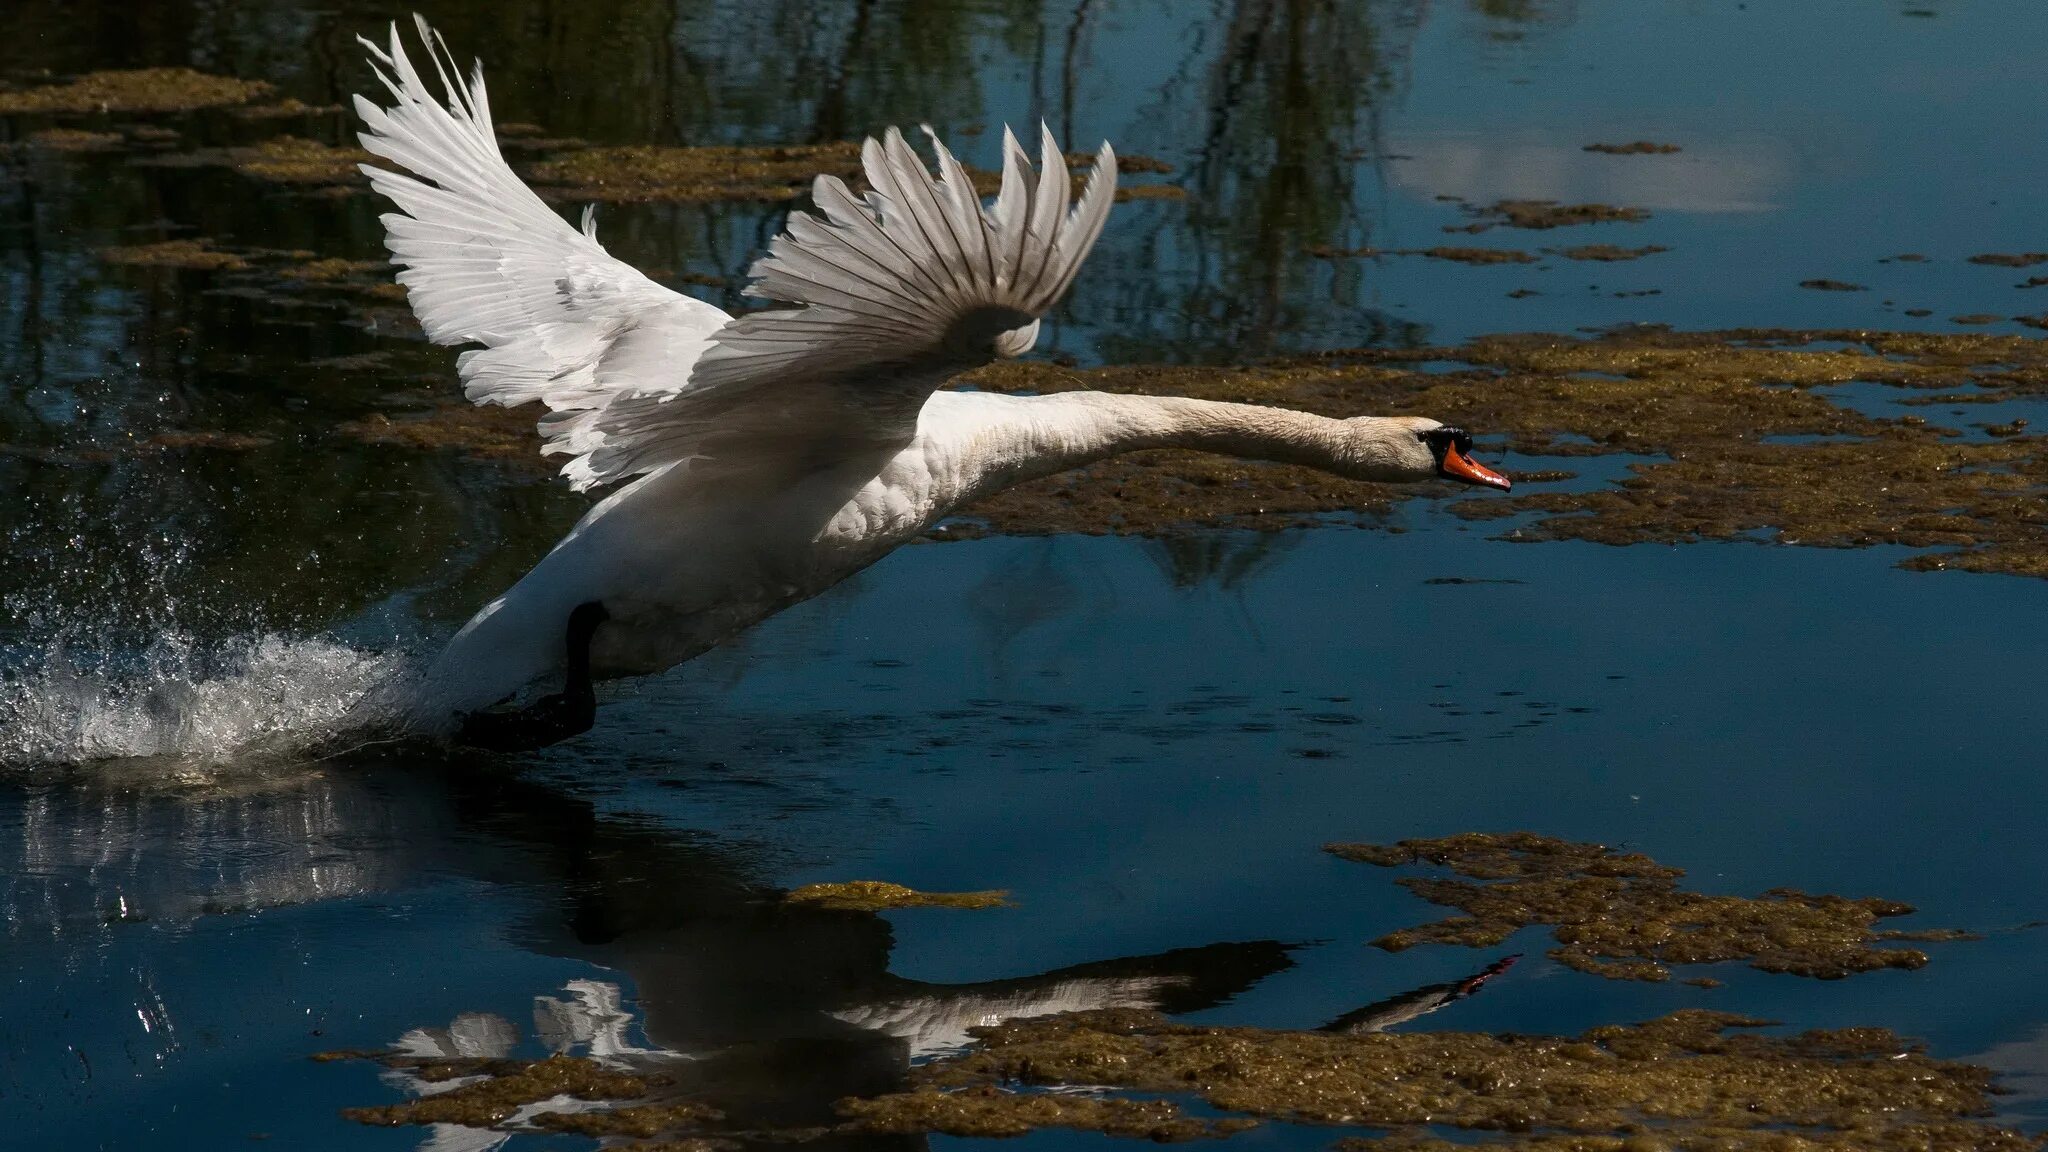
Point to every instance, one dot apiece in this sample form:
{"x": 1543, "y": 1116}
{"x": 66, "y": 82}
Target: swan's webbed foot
{"x": 551, "y": 719}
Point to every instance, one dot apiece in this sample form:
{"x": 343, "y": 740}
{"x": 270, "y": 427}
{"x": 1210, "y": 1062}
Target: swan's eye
{"x": 1442, "y": 440}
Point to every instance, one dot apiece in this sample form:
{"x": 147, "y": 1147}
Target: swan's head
{"x": 1418, "y": 448}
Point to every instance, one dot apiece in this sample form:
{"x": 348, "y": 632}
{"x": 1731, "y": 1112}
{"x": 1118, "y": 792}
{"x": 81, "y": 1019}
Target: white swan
{"x": 769, "y": 456}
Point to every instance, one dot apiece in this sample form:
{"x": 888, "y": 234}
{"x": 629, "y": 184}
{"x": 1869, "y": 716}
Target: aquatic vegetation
{"x": 1682, "y": 1080}
{"x": 1542, "y": 215}
{"x": 767, "y": 172}
{"x": 1609, "y": 253}
{"x": 1824, "y": 285}
{"x": 991, "y": 1110}
{"x": 294, "y": 160}
{"x": 692, "y": 174}
{"x": 876, "y": 895}
{"x": 198, "y": 255}
{"x": 139, "y": 90}
{"x": 1634, "y": 148}
{"x": 74, "y": 140}
{"x": 478, "y": 432}
{"x": 1623, "y": 916}
{"x": 502, "y": 1088}
{"x": 2010, "y": 259}
{"x": 1455, "y": 255}
{"x": 643, "y": 1120}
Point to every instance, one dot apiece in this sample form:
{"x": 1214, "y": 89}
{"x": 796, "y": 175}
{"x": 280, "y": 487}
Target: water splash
{"x": 194, "y": 705}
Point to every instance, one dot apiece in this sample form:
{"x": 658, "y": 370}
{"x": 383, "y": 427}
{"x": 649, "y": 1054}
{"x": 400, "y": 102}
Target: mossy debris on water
{"x": 196, "y": 255}
{"x": 1634, "y": 148}
{"x": 1542, "y": 215}
{"x": 1447, "y": 253}
{"x": 1609, "y": 253}
{"x": 502, "y": 1088}
{"x": 754, "y": 172}
{"x": 992, "y": 1110}
{"x": 2010, "y": 259}
{"x": 878, "y": 895}
{"x": 137, "y": 90}
{"x": 296, "y": 160}
{"x": 1676, "y": 1081}
{"x": 74, "y": 140}
{"x": 700, "y": 173}
{"x": 1623, "y": 916}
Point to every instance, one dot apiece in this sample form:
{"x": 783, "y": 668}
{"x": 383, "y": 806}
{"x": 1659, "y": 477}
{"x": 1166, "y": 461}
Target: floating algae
{"x": 990, "y": 1110}
{"x": 1455, "y": 255}
{"x": 141, "y": 90}
{"x": 641, "y": 1120}
{"x": 1634, "y": 148}
{"x": 692, "y": 174}
{"x": 74, "y": 140}
{"x": 1542, "y": 215}
{"x": 711, "y": 173}
{"x": 503, "y": 1087}
{"x": 196, "y": 255}
{"x": 2010, "y": 259}
{"x": 1678, "y": 1081}
{"x": 294, "y": 160}
{"x": 1609, "y": 253}
{"x": 876, "y": 895}
{"x": 1622, "y": 915}
{"x": 1824, "y": 285}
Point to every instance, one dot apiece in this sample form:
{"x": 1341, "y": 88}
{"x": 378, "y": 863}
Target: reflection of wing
{"x": 1422, "y": 1001}
{"x": 592, "y": 1018}
{"x": 487, "y": 262}
{"x": 935, "y": 1018}
{"x": 899, "y": 290}
{"x": 939, "y": 1022}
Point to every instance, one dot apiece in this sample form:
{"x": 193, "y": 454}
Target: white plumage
{"x": 771, "y": 455}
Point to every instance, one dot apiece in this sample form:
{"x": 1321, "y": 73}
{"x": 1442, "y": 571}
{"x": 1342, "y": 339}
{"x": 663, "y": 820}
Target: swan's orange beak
{"x": 1458, "y": 466}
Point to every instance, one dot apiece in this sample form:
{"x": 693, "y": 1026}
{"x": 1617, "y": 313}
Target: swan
{"x": 757, "y": 460}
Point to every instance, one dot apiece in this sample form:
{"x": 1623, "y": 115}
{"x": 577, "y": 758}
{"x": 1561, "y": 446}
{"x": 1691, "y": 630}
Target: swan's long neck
{"x": 1007, "y": 440}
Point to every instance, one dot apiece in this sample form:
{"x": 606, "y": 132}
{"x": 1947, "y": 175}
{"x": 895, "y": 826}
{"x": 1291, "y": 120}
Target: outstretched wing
{"x": 487, "y": 262}
{"x": 898, "y": 290}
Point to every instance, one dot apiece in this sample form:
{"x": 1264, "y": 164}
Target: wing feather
{"x": 894, "y": 291}
{"x": 485, "y": 261}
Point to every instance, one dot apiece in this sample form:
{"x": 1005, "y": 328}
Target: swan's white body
{"x": 770, "y": 456}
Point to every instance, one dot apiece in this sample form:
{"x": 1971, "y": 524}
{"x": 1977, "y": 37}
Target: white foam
{"x": 193, "y": 704}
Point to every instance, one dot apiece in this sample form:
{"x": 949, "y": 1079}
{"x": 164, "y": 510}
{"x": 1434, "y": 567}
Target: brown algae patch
{"x": 294, "y": 160}
{"x": 639, "y": 1120}
{"x": 698, "y": 174}
{"x": 1454, "y": 255}
{"x": 139, "y": 90}
{"x": 878, "y": 895}
{"x": 505, "y": 1087}
{"x": 1622, "y": 915}
{"x": 1677, "y": 1081}
{"x": 2010, "y": 259}
{"x": 1634, "y": 148}
{"x": 1542, "y": 215}
{"x": 197, "y": 255}
{"x": 74, "y": 140}
{"x": 713, "y": 173}
{"x": 1824, "y": 285}
{"x": 988, "y": 1109}
{"x": 1609, "y": 253}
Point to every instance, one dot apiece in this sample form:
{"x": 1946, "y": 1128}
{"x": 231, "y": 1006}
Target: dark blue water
{"x": 1145, "y": 741}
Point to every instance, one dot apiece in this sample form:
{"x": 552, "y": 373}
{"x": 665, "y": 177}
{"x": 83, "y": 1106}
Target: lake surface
{"x": 1145, "y": 741}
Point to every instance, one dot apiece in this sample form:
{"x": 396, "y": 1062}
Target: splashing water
{"x": 195, "y": 704}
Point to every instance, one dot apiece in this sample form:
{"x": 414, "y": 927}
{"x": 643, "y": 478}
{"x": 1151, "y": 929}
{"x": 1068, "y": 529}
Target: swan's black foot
{"x": 550, "y": 719}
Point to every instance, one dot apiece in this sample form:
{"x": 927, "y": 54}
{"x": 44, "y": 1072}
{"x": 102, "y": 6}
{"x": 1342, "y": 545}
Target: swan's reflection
{"x": 774, "y": 1010}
